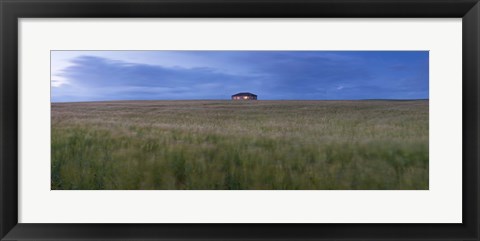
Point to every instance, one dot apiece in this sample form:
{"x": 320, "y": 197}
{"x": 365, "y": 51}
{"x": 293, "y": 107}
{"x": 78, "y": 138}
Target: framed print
{"x": 318, "y": 120}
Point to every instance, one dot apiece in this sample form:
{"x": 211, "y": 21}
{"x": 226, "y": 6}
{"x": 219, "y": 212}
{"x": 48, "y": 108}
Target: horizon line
{"x": 374, "y": 99}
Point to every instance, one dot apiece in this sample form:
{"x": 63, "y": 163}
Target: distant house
{"x": 244, "y": 96}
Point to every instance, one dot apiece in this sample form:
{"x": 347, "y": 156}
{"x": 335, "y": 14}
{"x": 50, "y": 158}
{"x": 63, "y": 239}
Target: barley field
{"x": 240, "y": 145}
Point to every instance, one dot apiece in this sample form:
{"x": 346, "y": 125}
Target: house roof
{"x": 244, "y": 94}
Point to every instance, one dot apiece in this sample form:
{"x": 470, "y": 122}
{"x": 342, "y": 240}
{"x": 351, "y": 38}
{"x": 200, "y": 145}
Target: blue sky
{"x": 272, "y": 75}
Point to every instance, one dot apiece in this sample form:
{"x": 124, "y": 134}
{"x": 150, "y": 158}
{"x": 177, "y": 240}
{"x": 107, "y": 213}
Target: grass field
{"x": 240, "y": 145}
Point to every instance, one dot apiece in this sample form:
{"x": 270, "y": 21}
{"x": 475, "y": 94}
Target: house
{"x": 244, "y": 96}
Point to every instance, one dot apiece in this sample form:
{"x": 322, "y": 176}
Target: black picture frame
{"x": 12, "y": 10}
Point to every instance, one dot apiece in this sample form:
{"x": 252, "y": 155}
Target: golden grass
{"x": 252, "y": 145}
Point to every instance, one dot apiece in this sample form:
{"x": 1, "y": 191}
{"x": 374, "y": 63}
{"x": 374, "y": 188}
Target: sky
{"x": 272, "y": 75}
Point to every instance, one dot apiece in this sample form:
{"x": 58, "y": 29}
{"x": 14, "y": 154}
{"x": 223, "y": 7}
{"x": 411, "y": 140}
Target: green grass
{"x": 252, "y": 145}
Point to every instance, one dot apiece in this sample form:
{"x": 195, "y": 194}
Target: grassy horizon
{"x": 229, "y": 99}
{"x": 240, "y": 145}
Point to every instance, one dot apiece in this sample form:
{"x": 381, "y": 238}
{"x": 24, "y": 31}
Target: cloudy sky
{"x": 272, "y": 75}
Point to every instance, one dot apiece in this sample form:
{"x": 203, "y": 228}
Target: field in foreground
{"x": 240, "y": 145}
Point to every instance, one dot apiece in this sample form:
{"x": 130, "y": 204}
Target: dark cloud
{"x": 270, "y": 74}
